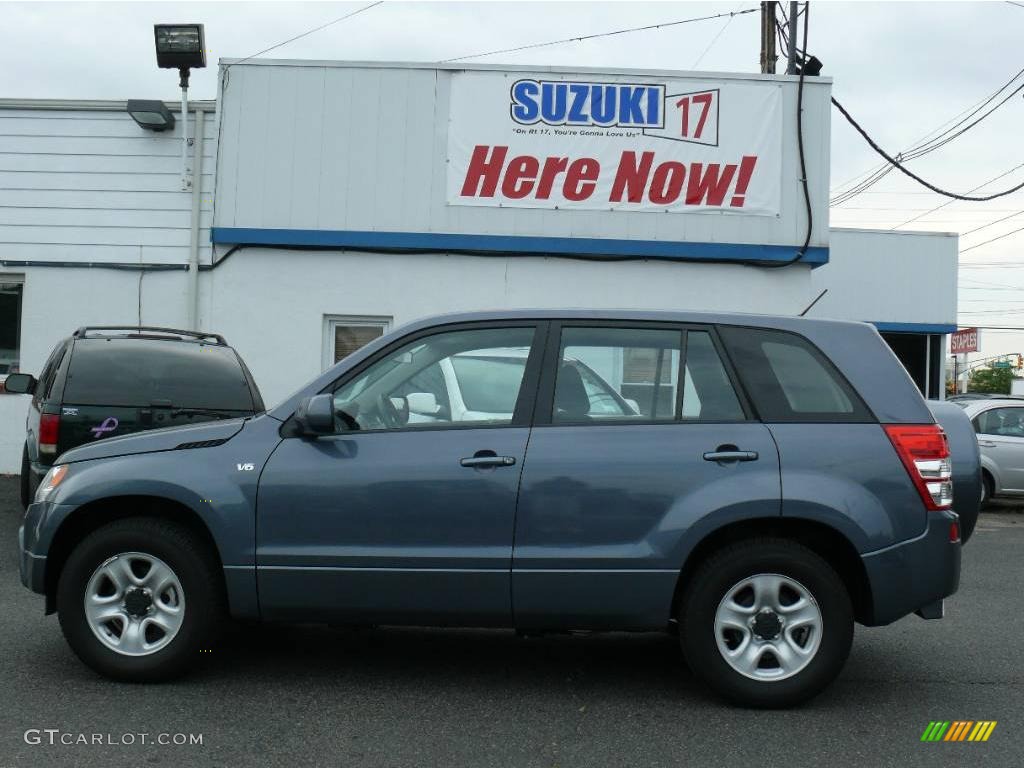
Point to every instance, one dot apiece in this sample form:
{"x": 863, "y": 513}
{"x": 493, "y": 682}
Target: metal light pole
{"x": 793, "y": 28}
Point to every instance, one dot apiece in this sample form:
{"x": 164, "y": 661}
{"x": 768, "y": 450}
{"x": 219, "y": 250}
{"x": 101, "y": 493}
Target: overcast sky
{"x": 903, "y": 69}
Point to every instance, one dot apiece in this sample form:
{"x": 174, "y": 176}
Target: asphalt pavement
{"x": 296, "y": 696}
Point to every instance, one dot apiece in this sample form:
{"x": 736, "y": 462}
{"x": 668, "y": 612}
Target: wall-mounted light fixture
{"x": 151, "y": 115}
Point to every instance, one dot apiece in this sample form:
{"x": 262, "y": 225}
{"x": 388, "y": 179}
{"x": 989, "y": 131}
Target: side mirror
{"x": 423, "y": 403}
{"x": 20, "y": 383}
{"x": 315, "y": 415}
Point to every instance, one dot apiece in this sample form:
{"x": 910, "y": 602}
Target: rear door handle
{"x": 986, "y": 444}
{"x": 488, "y": 461}
{"x": 730, "y": 456}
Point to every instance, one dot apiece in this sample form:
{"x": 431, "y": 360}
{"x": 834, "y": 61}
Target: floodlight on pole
{"x": 181, "y": 47}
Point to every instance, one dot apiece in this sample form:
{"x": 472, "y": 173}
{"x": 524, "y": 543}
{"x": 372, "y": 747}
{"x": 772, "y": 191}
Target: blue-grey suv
{"x": 769, "y": 482}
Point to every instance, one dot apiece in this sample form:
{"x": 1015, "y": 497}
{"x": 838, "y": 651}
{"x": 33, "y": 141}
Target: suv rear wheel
{"x": 766, "y": 623}
{"x": 139, "y": 599}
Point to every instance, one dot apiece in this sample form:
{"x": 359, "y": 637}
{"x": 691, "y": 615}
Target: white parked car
{"x": 999, "y": 425}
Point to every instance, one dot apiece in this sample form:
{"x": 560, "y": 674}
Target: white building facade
{"x": 336, "y": 201}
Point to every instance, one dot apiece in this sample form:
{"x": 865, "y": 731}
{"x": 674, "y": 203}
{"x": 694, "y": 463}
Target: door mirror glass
{"x": 315, "y": 415}
{"x": 20, "y": 383}
{"x": 423, "y": 403}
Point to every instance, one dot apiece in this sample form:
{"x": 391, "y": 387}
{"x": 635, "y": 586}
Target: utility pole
{"x": 768, "y": 38}
{"x": 794, "y": 29}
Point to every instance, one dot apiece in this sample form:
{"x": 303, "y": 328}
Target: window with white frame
{"x": 10, "y": 323}
{"x": 344, "y": 334}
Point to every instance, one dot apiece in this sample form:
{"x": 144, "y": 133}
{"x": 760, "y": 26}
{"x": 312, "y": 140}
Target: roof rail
{"x": 141, "y": 330}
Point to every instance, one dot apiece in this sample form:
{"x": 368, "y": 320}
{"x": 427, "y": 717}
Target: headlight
{"x": 53, "y": 478}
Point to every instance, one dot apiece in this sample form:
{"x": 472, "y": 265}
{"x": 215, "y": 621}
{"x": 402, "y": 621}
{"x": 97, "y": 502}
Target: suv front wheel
{"x": 140, "y": 599}
{"x": 766, "y": 623}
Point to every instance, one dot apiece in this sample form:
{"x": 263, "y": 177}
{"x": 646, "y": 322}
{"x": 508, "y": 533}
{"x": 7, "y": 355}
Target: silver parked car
{"x": 999, "y": 424}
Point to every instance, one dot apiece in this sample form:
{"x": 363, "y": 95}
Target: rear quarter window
{"x": 789, "y": 379}
{"x": 140, "y": 373}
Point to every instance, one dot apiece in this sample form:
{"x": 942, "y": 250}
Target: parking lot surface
{"x": 289, "y": 696}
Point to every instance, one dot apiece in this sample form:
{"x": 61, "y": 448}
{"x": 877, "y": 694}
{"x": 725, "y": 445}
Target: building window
{"x": 10, "y": 324}
{"x": 344, "y": 334}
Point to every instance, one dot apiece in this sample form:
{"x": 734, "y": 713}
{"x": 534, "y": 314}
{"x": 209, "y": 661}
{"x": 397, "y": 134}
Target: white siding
{"x": 88, "y": 185}
{"x": 91, "y": 185}
{"x": 889, "y": 277}
{"x": 363, "y": 147}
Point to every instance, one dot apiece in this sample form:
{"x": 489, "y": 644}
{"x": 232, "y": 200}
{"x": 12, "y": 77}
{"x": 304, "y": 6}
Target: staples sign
{"x": 963, "y": 341}
{"x": 679, "y": 146}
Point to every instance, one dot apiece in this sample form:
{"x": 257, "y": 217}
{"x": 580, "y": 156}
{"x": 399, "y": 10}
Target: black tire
{"x": 26, "y": 479}
{"x": 201, "y": 583}
{"x": 729, "y": 566}
{"x": 986, "y": 489}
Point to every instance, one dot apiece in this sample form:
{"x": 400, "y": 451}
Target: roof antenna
{"x": 808, "y": 307}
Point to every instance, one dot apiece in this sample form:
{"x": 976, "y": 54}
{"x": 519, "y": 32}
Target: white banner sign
{"x": 683, "y": 146}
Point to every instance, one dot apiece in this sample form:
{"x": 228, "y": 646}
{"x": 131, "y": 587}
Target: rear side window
{"x": 791, "y": 380}
{"x": 141, "y": 373}
{"x": 49, "y": 373}
{"x": 617, "y": 373}
{"x": 1005, "y": 422}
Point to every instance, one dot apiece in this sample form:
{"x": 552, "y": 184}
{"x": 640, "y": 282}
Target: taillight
{"x": 49, "y": 424}
{"x": 924, "y": 451}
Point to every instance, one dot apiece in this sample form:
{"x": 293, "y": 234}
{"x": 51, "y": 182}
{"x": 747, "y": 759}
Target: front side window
{"x": 458, "y": 378}
{"x": 617, "y": 373}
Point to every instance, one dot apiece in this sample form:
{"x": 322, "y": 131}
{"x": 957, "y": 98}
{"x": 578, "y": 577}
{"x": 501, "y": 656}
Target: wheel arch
{"x": 96, "y": 513}
{"x": 825, "y": 541}
{"x": 989, "y": 468}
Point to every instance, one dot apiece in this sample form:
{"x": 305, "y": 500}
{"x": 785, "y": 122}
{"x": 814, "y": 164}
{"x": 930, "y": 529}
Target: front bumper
{"x": 913, "y": 574}
{"x": 32, "y": 560}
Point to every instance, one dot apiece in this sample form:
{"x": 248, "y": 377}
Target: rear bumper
{"x": 913, "y": 574}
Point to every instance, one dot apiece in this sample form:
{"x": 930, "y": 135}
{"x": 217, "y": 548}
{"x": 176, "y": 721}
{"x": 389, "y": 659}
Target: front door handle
{"x": 488, "y": 461}
{"x": 730, "y": 455}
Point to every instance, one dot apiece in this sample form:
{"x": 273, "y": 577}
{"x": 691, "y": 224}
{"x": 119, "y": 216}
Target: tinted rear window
{"x": 791, "y": 380}
{"x": 138, "y": 372}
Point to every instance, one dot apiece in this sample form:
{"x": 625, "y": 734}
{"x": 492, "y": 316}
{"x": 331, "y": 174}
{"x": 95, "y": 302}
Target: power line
{"x": 800, "y": 147}
{"x": 599, "y": 34}
{"x": 924, "y": 145}
{"x": 1000, "y": 237}
{"x": 950, "y": 202}
{"x": 990, "y": 224}
{"x": 713, "y": 41}
{"x": 992, "y": 265}
{"x": 309, "y": 32}
{"x": 895, "y": 163}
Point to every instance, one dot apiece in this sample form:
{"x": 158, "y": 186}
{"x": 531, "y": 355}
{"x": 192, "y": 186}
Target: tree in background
{"x": 990, "y": 380}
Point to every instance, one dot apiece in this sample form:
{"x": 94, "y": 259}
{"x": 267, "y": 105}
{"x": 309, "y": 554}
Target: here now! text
{"x": 637, "y": 178}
